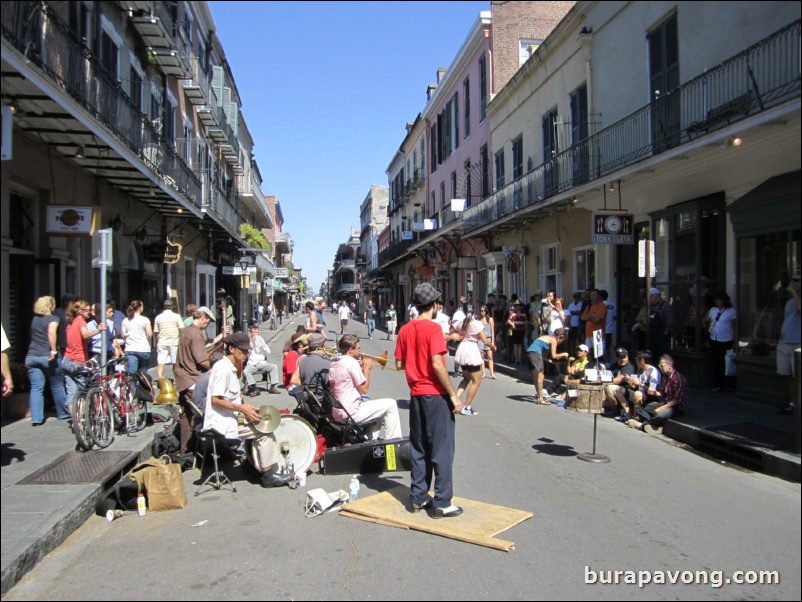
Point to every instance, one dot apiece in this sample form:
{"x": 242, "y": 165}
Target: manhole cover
{"x": 748, "y": 433}
{"x": 81, "y": 467}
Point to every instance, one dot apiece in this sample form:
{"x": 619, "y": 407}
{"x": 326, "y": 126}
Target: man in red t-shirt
{"x": 420, "y": 351}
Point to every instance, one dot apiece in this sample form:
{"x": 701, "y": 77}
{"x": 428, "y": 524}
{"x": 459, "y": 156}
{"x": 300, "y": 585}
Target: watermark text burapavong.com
{"x": 714, "y": 579}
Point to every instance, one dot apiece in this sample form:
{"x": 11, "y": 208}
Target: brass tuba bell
{"x": 167, "y": 392}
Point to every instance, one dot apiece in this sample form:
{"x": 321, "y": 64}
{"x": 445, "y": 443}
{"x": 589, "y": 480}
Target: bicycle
{"x": 88, "y": 377}
{"x": 273, "y": 321}
{"x": 112, "y": 405}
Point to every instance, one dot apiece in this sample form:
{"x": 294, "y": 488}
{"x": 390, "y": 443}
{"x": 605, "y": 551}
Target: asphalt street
{"x": 655, "y": 507}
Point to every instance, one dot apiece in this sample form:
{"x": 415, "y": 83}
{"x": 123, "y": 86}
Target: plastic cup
{"x": 300, "y": 478}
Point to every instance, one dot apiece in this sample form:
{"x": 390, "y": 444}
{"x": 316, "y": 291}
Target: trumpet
{"x": 381, "y": 359}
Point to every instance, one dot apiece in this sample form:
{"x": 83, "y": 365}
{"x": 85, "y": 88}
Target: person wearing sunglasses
{"x": 669, "y": 401}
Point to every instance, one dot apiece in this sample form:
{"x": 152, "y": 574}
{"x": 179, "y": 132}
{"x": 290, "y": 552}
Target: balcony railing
{"x": 763, "y": 76}
{"x": 36, "y": 31}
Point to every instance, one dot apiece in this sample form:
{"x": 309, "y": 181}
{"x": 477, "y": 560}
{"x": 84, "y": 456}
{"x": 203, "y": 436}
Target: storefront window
{"x": 766, "y": 264}
{"x": 689, "y": 265}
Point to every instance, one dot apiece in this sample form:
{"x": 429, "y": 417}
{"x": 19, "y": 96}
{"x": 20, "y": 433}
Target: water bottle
{"x": 353, "y": 489}
{"x": 141, "y": 508}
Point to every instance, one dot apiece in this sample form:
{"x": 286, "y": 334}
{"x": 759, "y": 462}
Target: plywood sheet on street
{"x": 83, "y": 467}
{"x": 478, "y": 524}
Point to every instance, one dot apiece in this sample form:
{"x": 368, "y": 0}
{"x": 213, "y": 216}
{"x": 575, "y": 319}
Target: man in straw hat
{"x": 420, "y": 351}
{"x": 224, "y": 402}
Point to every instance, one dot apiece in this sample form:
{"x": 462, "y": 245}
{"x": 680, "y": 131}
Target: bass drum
{"x": 295, "y": 435}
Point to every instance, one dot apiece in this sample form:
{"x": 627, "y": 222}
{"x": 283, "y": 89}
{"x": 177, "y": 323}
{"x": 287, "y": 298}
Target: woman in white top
{"x": 722, "y": 322}
{"x": 470, "y": 358}
{"x": 137, "y": 333}
{"x": 557, "y": 314}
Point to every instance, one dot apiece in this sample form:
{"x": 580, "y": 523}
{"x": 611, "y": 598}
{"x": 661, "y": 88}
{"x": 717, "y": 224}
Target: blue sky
{"x": 326, "y": 91}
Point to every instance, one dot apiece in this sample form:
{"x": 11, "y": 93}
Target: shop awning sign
{"x": 162, "y": 252}
{"x": 613, "y": 229}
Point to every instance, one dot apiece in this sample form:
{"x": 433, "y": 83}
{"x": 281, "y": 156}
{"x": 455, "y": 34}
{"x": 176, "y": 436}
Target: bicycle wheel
{"x": 99, "y": 417}
{"x": 79, "y": 428}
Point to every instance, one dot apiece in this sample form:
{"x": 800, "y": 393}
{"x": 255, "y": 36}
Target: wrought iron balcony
{"x": 763, "y": 76}
{"x": 37, "y": 32}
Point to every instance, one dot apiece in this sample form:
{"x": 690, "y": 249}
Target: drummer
{"x": 224, "y": 403}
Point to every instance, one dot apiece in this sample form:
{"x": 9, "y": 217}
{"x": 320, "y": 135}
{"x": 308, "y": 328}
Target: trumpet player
{"x": 350, "y": 380}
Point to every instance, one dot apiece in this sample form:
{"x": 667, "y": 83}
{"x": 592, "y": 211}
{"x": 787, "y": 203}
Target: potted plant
{"x": 17, "y": 405}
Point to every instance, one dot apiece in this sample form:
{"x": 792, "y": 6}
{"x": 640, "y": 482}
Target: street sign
{"x": 235, "y": 270}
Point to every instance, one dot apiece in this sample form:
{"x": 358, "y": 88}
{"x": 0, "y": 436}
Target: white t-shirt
{"x": 722, "y": 326}
{"x": 345, "y": 313}
{"x": 575, "y": 310}
{"x": 555, "y": 322}
{"x": 135, "y": 332}
{"x": 223, "y": 382}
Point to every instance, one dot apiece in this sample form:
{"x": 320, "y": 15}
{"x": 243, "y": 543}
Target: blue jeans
{"x": 137, "y": 361}
{"x": 71, "y": 385}
{"x": 371, "y": 327}
{"x": 649, "y": 416}
{"x": 432, "y": 444}
{"x": 41, "y": 371}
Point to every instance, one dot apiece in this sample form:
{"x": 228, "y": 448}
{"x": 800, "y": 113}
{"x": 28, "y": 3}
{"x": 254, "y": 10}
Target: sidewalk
{"x": 753, "y": 435}
{"x": 37, "y": 518}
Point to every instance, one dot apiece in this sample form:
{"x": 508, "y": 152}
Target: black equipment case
{"x": 392, "y": 455}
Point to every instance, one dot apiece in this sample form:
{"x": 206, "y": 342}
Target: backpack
{"x": 166, "y": 442}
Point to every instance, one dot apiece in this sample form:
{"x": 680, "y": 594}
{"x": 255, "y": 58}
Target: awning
{"x": 773, "y": 206}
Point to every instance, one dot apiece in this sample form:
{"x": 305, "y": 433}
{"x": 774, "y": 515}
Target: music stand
{"x": 593, "y": 456}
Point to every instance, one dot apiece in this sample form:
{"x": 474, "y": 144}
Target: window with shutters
{"x": 518, "y": 157}
{"x": 499, "y": 163}
{"x": 466, "y": 94}
{"x": 483, "y": 88}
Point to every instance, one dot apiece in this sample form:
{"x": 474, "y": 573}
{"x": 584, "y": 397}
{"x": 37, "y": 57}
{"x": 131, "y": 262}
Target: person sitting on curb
{"x": 258, "y": 364}
{"x": 576, "y": 370}
{"x": 622, "y": 369}
{"x": 535, "y": 353}
{"x": 642, "y": 387}
{"x": 669, "y": 401}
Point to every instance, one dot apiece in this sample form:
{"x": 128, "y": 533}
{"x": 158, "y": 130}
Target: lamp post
{"x": 244, "y": 265}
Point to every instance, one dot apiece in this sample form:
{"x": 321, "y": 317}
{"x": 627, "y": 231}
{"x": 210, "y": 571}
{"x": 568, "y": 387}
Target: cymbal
{"x": 269, "y": 419}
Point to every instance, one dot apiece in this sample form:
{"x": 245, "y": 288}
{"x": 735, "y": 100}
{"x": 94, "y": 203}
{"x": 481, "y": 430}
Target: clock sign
{"x": 613, "y": 229}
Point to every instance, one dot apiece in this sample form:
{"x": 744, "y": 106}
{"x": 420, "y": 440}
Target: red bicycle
{"x": 112, "y": 405}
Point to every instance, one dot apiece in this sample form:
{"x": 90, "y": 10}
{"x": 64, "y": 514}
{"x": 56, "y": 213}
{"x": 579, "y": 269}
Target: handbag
{"x": 163, "y": 483}
{"x": 729, "y": 363}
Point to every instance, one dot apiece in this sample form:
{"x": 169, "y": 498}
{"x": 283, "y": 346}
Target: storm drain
{"x": 83, "y": 467}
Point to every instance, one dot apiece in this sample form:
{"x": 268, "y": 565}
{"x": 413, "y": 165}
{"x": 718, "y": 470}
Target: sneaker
{"x": 447, "y": 512}
{"x": 624, "y": 418}
{"x": 634, "y": 423}
{"x": 652, "y": 430}
{"x": 473, "y": 412}
{"x": 466, "y": 411}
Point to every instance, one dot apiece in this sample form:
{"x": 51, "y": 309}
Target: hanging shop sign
{"x": 235, "y": 270}
{"x": 162, "y": 252}
{"x": 69, "y": 220}
{"x": 613, "y": 229}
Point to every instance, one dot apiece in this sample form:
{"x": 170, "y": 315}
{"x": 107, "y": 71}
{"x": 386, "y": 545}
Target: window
{"x": 499, "y": 164}
{"x": 453, "y": 184}
{"x": 433, "y": 140}
{"x": 455, "y": 120}
{"x": 169, "y": 118}
{"x": 664, "y": 77}
{"x": 442, "y": 196}
{"x": 468, "y": 186}
{"x": 187, "y": 23}
{"x": 447, "y": 130}
{"x": 518, "y": 157}
{"x": 188, "y": 140}
{"x": 466, "y": 94}
{"x": 550, "y": 275}
{"x": 483, "y": 88}
{"x": 550, "y": 150}
{"x": 579, "y": 132}
{"x": 415, "y": 175}
{"x": 484, "y": 158}
{"x": 526, "y": 48}
{"x": 136, "y": 88}
{"x": 110, "y": 43}
{"x": 422, "y": 155}
{"x": 585, "y": 268}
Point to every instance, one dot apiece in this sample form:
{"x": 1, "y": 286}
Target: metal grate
{"x": 82, "y": 467}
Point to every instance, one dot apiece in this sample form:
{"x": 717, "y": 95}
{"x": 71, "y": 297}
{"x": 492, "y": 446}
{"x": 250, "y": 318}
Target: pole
{"x": 104, "y": 263}
{"x": 648, "y": 289}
